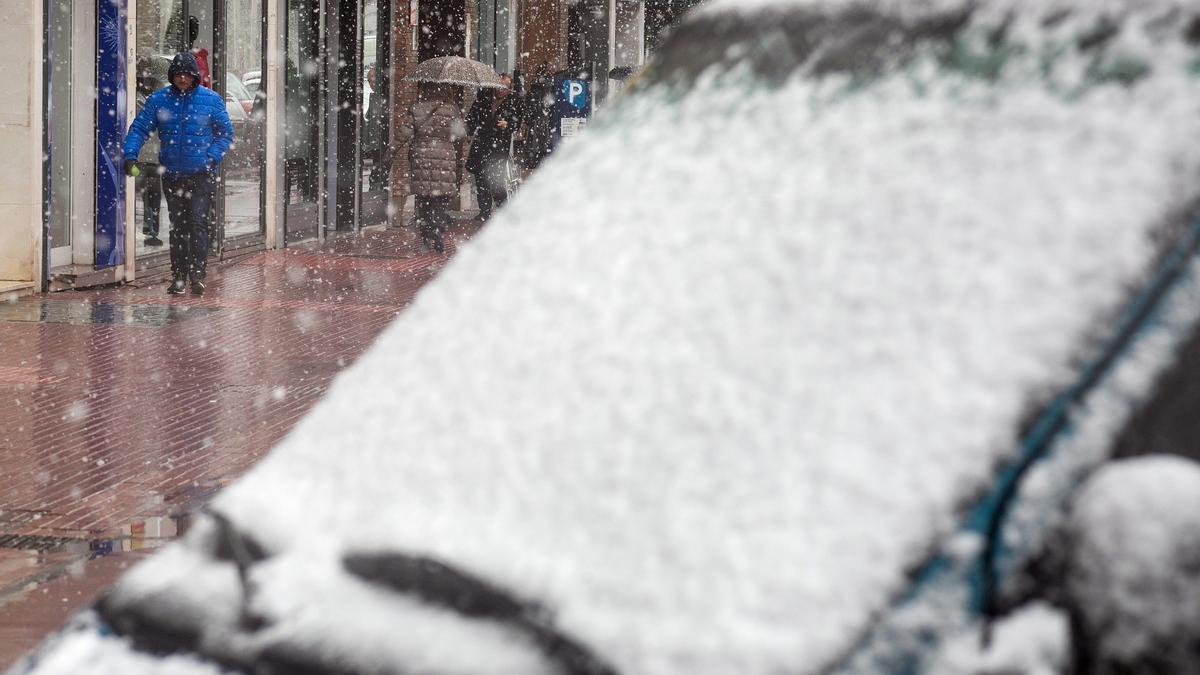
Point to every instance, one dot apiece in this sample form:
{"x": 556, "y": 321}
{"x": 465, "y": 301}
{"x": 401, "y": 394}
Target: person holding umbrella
{"x": 491, "y": 122}
{"x": 433, "y": 129}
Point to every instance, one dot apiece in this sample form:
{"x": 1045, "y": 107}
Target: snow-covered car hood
{"x": 722, "y": 375}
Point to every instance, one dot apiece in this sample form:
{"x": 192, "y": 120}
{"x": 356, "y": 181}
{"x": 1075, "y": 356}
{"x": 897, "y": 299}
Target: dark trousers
{"x": 491, "y": 188}
{"x": 150, "y": 184}
{"x": 432, "y": 218}
{"x": 189, "y": 198}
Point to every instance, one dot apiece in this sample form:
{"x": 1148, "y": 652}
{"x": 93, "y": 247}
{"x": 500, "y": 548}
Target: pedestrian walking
{"x": 535, "y": 119}
{"x": 194, "y": 134}
{"x": 493, "y": 118}
{"x": 433, "y": 129}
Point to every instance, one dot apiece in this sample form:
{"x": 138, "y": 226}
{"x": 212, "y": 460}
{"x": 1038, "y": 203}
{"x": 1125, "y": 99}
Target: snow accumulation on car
{"x": 753, "y": 378}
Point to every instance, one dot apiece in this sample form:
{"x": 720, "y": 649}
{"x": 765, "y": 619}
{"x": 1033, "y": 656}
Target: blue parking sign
{"x": 575, "y": 93}
{"x": 572, "y": 107}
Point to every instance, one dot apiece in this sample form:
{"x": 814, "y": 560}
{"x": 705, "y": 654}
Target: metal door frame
{"x": 322, "y": 57}
{"x": 220, "y": 246}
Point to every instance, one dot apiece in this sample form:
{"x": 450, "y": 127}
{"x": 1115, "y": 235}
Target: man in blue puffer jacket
{"x": 194, "y": 133}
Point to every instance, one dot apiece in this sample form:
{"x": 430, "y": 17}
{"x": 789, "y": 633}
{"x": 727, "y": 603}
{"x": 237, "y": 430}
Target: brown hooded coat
{"x": 431, "y": 129}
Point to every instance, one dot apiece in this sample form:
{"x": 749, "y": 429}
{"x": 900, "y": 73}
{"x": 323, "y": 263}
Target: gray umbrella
{"x": 456, "y": 70}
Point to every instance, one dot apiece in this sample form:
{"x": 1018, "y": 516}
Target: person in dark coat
{"x": 433, "y": 129}
{"x": 491, "y": 122}
{"x": 535, "y": 114}
{"x": 194, "y": 133}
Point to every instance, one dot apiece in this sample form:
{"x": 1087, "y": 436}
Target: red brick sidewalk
{"x": 122, "y": 410}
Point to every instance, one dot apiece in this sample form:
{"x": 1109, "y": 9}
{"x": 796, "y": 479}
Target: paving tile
{"x": 125, "y": 408}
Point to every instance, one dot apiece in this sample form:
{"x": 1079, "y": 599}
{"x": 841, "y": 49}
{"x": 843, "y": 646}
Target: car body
{"x": 252, "y": 80}
{"x": 248, "y": 126}
{"x": 238, "y": 99}
{"x": 787, "y": 366}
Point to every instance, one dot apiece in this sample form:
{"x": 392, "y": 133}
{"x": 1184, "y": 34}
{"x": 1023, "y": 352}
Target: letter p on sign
{"x": 576, "y": 94}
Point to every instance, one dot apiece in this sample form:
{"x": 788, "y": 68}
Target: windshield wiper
{"x": 438, "y": 583}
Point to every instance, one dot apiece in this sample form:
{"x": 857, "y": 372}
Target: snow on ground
{"x": 727, "y": 367}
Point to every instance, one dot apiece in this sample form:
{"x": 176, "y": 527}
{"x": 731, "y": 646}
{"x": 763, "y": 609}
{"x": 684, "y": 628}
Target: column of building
{"x": 21, "y": 137}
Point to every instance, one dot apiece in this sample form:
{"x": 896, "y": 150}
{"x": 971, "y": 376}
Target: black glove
{"x": 129, "y": 166}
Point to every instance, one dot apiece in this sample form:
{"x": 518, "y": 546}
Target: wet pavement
{"x": 123, "y": 410}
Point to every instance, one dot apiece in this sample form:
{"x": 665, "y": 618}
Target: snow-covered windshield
{"x": 729, "y": 368}
{"x": 1069, "y": 50}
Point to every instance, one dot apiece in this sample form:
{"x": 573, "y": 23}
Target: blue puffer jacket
{"x": 193, "y": 126}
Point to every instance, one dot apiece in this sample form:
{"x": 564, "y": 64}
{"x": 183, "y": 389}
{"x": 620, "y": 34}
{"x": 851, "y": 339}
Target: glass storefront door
{"x": 59, "y": 62}
{"x": 241, "y": 62}
{"x": 495, "y": 35}
{"x": 159, "y": 34}
{"x": 443, "y": 29}
{"x": 227, "y": 41}
{"x": 360, "y": 90}
{"x": 346, "y": 89}
{"x": 71, "y": 134}
{"x": 376, "y": 89}
{"x": 302, "y": 113}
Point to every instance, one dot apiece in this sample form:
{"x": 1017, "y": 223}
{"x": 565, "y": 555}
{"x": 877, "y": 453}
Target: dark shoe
{"x": 197, "y": 287}
{"x": 438, "y": 246}
{"x": 176, "y": 287}
{"x": 153, "y": 241}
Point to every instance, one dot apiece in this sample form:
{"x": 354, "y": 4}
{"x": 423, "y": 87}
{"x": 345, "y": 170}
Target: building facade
{"x": 21, "y": 138}
{"x": 314, "y": 89}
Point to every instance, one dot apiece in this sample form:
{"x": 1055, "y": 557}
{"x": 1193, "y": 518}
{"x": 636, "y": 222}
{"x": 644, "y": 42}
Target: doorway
{"x": 227, "y": 40}
{"x": 239, "y": 64}
{"x": 373, "y": 175}
{"x": 70, "y": 132}
{"x": 303, "y": 103}
{"x": 587, "y": 49}
{"x": 443, "y": 29}
{"x": 360, "y": 126}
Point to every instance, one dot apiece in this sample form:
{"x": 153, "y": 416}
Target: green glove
{"x": 131, "y": 168}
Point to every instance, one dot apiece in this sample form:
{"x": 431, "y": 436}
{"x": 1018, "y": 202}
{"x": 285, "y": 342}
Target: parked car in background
{"x": 794, "y": 362}
{"x": 251, "y": 79}
{"x": 248, "y": 126}
{"x": 236, "y": 94}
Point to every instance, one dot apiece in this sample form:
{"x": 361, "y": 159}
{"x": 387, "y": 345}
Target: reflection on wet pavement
{"x": 85, "y": 313}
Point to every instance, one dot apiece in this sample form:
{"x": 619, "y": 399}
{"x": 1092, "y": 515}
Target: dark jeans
{"x": 432, "y": 218}
{"x": 377, "y": 179}
{"x": 189, "y": 198}
{"x": 150, "y": 185}
{"x": 491, "y": 190}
